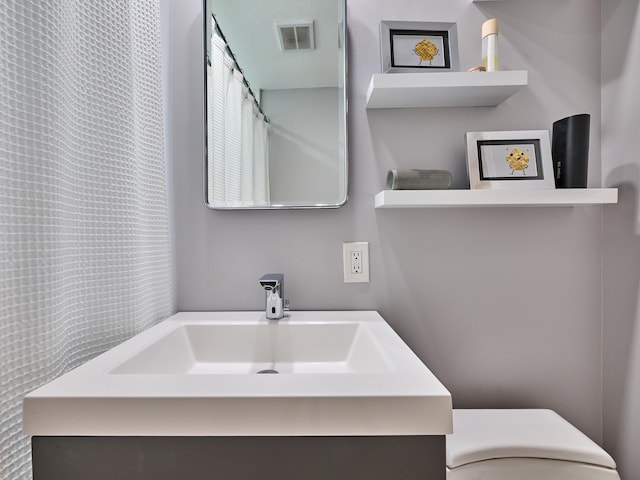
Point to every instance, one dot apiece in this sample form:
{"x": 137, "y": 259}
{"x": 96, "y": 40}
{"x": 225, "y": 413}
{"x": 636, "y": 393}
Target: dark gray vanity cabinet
{"x": 239, "y": 458}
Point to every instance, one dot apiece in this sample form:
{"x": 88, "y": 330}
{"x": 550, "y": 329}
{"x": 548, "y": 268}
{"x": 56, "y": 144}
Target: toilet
{"x": 527, "y": 444}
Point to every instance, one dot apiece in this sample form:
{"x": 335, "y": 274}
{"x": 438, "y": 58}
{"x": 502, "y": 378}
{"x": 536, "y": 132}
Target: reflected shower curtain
{"x": 238, "y": 155}
{"x": 84, "y": 236}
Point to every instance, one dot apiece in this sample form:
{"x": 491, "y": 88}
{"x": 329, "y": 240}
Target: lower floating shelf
{"x": 565, "y": 197}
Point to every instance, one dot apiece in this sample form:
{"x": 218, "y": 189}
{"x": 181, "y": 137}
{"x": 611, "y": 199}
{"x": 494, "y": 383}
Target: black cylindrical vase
{"x": 570, "y": 151}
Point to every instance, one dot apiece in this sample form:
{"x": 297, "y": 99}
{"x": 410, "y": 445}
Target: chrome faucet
{"x": 273, "y": 284}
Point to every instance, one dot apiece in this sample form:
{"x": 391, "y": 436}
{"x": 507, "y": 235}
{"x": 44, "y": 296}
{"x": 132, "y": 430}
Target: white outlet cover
{"x": 347, "y": 249}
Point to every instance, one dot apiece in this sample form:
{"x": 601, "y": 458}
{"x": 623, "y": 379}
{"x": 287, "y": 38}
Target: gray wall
{"x": 303, "y": 138}
{"x": 503, "y": 304}
{"x": 621, "y": 280}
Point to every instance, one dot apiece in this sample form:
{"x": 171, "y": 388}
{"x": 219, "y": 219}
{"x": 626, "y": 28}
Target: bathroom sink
{"x": 270, "y": 347}
{"x": 238, "y": 374}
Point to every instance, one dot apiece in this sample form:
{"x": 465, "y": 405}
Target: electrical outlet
{"x": 355, "y": 257}
{"x": 356, "y": 262}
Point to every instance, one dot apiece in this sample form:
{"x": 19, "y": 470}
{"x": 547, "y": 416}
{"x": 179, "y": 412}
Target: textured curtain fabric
{"x": 85, "y": 257}
{"x": 260, "y": 168}
{"x": 238, "y": 153}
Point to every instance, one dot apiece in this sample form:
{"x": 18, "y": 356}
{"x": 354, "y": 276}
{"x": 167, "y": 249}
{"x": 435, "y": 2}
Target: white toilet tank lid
{"x": 532, "y": 433}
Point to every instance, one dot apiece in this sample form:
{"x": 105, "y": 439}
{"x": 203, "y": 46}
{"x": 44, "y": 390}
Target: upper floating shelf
{"x": 566, "y": 197}
{"x": 444, "y": 89}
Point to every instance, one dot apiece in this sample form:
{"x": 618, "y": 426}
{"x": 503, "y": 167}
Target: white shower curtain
{"x": 238, "y": 154}
{"x": 84, "y": 236}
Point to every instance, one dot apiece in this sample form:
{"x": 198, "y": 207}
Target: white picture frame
{"x": 510, "y": 160}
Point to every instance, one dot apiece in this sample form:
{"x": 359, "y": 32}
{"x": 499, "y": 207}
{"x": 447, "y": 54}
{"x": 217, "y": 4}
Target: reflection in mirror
{"x": 275, "y": 104}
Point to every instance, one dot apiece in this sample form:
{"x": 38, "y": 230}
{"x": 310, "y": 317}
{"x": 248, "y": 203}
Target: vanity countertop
{"x": 197, "y": 374}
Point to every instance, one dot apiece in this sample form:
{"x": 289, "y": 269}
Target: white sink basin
{"x": 197, "y": 373}
{"x": 274, "y": 347}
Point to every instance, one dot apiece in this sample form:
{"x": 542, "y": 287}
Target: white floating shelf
{"x": 443, "y": 89}
{"x": 564, "y": 197}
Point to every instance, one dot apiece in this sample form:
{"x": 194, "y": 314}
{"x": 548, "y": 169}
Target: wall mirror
{"x": 275, "y": 113}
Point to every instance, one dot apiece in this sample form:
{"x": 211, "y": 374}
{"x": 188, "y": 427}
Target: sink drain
{"x": 268, "y": 370}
